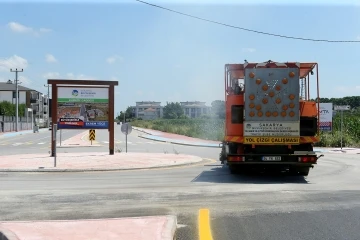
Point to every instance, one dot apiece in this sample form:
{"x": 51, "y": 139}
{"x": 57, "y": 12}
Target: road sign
{"x": 342, "y": 108}
{"x": 126, "y": 128}
{"x": 92, "y": 134}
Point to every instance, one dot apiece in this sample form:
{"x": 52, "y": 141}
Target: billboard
{"x": 326, "y": 114}
{"x": 83, "y": 108}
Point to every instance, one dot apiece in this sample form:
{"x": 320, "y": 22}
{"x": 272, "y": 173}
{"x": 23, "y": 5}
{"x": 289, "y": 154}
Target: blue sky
{"x": 161, "y": 56}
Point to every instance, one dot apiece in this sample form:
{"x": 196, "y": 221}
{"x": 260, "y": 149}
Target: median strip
{"x": 204, "y": 225}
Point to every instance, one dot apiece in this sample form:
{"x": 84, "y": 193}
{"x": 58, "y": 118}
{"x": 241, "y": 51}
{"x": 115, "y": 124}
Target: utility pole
{"x": 48, "y": 107}
{"x": 17, "y": 96}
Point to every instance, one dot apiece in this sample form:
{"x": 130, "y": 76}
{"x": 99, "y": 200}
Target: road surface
{"x": 324, "y": 205}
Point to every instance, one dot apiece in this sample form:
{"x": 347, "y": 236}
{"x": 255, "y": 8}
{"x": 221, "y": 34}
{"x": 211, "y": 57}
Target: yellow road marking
{"x": 204, "y": 225}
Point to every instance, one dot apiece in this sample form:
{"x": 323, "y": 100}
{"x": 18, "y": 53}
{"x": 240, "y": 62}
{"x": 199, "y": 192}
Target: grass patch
{"x": 209, "y": 129}
{"x": 213, "y": 129}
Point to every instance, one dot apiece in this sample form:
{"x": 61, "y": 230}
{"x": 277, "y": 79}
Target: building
{"x": 30, "y": 97}
{"x": 148, "y": 110}
{"x": 195, "y": 109}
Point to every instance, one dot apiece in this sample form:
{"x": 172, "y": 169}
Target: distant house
{"x": 148, "y": 109}
{"x": 194, "y": 109}
{"x": 32, "y": 98}
{"x": 149, "y": 114}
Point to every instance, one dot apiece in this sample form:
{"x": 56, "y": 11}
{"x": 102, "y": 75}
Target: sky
{"x": 157, "y": 55}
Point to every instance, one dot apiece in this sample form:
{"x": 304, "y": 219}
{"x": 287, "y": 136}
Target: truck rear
{"x": 271, "y": 123}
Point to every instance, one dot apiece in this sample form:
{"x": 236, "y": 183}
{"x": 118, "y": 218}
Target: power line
{"x": 247, "y": 29}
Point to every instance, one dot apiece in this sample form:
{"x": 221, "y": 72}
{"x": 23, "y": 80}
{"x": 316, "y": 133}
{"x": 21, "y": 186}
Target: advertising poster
{"x": 326, "y": 114}
{"x": 83, "y": 108}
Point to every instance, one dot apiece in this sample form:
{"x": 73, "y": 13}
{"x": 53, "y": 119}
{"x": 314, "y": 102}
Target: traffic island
{"x": 151, "y": 227}
{"x": 97, "y": 161}
{"x": 79, "y": 140}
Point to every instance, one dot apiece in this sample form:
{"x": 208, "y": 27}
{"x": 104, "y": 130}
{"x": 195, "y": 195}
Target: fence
{"x": 8, "y": 123}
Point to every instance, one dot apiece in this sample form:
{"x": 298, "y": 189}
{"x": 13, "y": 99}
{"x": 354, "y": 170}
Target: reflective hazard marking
{"x": 271, "y": 140}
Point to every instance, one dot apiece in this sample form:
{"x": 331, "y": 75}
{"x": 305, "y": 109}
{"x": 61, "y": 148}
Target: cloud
{"x": 250, "y": 50}
{"x": 113, "y": 59}
{"x": 25, "y": 81}
{"x": 50, "y": 58}
{"x": 79, "y": 77}
{"x": 19, "y": 28}
{"x": 56, "y": 75}
{"x": 51, "y": 75}
{"x": 358, "y": 37}
{"x": 139, "y": 92}
{"x": 13, "y": 62}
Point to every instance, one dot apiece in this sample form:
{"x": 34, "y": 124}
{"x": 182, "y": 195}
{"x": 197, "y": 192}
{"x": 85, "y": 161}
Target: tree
{"x": 128, "y": 114}
{"x": 173, "y": 110}
{"x": 218, "y": 108}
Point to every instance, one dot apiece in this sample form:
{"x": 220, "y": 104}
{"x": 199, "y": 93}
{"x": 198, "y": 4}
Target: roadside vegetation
{"x": 211, "y": 127}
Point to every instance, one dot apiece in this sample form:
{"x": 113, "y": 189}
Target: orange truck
{"x": 271, "y": 123}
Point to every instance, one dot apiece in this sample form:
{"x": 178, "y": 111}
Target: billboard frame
{"x": 55, "y": 83}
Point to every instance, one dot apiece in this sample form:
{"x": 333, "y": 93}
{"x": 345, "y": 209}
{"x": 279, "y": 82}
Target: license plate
{"x": 272, "y": 158}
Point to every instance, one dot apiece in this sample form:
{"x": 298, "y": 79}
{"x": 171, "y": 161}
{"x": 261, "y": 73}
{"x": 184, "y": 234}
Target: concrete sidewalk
{"x": 12, "y": 134}
{"x": 135, "y": 228}
{"x": 97, "y": 161}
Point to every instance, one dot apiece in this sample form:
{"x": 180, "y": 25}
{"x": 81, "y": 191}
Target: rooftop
{"x": 5, "y": 86}
{"x": 148, "y": 105}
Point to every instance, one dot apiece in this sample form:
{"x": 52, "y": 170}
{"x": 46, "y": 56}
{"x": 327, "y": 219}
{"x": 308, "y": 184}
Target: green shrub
{"x": 213, "y": 129}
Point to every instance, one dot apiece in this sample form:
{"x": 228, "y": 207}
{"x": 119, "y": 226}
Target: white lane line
{"x": 17, "y": 144}
{"x": 41, "y": 143}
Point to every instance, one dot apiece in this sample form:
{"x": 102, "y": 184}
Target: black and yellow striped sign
{"x": 92, "y": 134}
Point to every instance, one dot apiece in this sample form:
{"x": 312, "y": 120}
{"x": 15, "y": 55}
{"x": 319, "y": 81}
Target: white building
{"x": 195, "y": 109}
{"x": 148, "y": 110}
{"x": 32, "y": 98}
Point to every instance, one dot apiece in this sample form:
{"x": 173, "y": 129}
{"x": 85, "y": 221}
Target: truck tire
{"x": 304, "y": 171}
{"x": 300, "y": 171}
{"x": 233, "y": 169}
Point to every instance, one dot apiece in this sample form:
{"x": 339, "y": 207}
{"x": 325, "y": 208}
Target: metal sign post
{"x": 126, "y": 129}
{"x": 341, "y": 109}
{"x": 54, "y": 139}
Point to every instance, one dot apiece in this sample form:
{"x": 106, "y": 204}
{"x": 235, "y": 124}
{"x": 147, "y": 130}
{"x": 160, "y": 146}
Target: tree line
{"x": 173, "y": 110}
{"x": 9, "y": 109}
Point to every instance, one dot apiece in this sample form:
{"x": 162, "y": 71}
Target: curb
{"x": 178, "y": 143}
{"x": 142, "y": 131}
{"x": 13, "y": 134}
{"x": 6, "y": 234}
{"x": 99, "y": 169}
{"x": 170, "y": 228}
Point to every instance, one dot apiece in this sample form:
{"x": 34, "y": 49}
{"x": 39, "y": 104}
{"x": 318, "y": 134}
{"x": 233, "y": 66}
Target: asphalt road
{"x": 324, "y": 205}
{"x": 38, "y": 142}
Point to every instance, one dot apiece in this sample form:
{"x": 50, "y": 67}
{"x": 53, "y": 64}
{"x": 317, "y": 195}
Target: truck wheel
{"x": 304, "y": 171}
{"x": 233, "y": 169}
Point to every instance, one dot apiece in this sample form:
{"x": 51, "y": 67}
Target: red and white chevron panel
{"x": 325, "y": 124}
